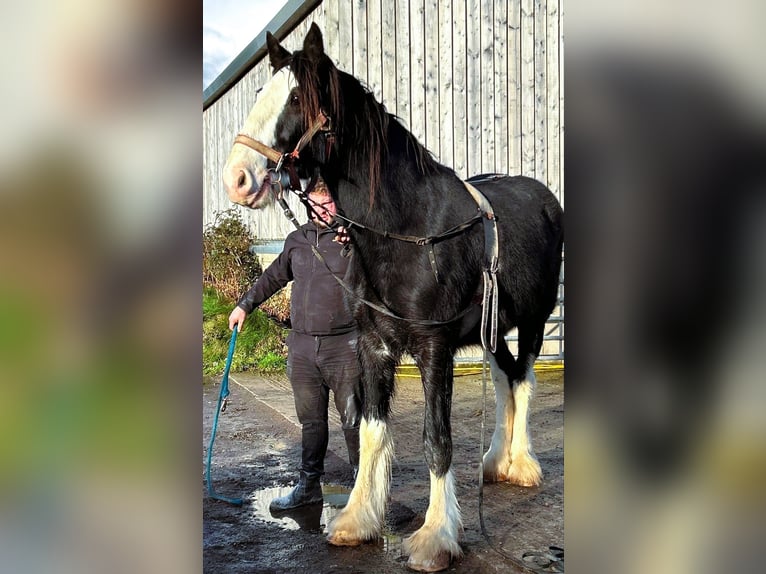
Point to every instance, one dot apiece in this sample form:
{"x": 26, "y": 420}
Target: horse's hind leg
{"x": 497, "y": 460}
{"x": 510, "y": 456}
{"x": 433, "y": 545}
{"x": 362, "y": 517}
{"x": 525, "y": 468}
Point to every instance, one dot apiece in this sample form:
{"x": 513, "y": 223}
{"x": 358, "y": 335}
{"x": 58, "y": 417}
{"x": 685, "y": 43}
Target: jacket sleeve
{"x": 275, "y": 277}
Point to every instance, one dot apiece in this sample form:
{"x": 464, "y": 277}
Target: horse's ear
{"x": 278, "y": 56}
{"x": 313, "y": 45}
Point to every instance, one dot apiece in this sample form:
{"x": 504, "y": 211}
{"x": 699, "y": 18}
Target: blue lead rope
{"x": 221, "y": 407}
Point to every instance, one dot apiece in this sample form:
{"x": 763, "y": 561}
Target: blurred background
{"x": 100, "y": 316}
{"x": 665, "y": 465}
{"x": 100, "y": 258}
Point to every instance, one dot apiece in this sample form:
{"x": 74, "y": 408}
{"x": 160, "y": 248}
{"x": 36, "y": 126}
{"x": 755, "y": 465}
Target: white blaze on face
{"x": 245, "y": 175}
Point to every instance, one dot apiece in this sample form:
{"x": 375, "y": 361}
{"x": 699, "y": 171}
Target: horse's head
{"x": 287, "y": 107}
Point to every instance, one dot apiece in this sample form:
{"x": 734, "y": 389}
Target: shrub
{"x": 277, "y": 306}
{"x": 228, "y": 267}
{"x": 260, "y": 345}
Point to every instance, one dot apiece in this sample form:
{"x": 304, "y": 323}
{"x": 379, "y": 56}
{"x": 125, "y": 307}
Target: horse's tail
{"x": 554, "y": 215}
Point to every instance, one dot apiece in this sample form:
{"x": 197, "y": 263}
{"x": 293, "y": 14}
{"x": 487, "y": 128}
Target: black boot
{"x": 307, "y": 491}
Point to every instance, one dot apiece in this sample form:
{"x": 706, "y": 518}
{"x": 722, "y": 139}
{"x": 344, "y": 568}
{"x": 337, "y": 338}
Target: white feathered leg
{"x": 432, "y": 546}
{"x": 497, "y": 459}
{"x": 525, "y": 468}
{"x": 362, "y": 518}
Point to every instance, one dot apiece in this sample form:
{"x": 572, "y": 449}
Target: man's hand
{"x": 237, "y": 318}
{"x": 341, "y": 236}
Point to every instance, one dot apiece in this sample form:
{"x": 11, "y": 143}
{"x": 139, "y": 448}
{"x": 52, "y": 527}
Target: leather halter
{"x": 320, "y": 123}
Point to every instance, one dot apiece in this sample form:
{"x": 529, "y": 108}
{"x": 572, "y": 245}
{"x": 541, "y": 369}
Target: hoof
{"x": 496, "y": 467}
{"x": 491, "y": 476}
{"x": 525, "y": 473}
{"x": 440, "y": 562}
{"x": 341, "y": 538}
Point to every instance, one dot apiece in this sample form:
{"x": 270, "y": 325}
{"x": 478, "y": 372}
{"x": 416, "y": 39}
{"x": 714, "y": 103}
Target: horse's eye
{"x": 294, "y": 99}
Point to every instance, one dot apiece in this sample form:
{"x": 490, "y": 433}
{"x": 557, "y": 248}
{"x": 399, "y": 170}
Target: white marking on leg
{"x": 433, "y": 545}
{"x": 525, "y": 468}
{"x": 497, "y": 460}
{"x": 384, "y": 352}
{"x": 362, "y": 518}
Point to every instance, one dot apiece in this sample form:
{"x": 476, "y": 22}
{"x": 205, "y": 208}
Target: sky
{"x": 228, "y": 27}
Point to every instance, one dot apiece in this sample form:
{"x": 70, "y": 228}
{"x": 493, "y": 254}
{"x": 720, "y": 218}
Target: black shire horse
{"x": 382, "y": 178}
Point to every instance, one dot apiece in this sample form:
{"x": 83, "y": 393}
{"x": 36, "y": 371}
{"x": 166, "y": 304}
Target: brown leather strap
{"x": 274, "y": 155}
{"x": 261, "y": 148}
{"x": 318, "y": 124}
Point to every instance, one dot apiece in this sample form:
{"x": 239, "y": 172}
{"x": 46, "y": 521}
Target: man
{"x": 322, "y": 342}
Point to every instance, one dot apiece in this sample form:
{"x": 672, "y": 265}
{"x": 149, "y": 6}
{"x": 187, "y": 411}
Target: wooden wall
{"x": 478, "y": 82}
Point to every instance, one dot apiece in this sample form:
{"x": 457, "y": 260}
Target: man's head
{"x": 323, "y": 204}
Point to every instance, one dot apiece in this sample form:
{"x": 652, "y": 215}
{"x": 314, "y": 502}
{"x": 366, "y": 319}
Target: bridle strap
{"x": 270, "y": 153}
{"x": 261, "y": 148}
{"x": 319, "y": 123}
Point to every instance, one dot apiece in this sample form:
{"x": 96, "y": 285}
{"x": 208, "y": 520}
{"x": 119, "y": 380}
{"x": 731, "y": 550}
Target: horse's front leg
{"x": 431, "y": 547}
{"x": 363, "y": 516}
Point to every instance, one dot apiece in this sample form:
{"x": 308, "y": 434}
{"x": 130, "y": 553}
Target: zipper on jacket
{"x": 309, "y": 286}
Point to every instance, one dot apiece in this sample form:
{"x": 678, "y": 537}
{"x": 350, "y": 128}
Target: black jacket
{"x": 317, "y": 304}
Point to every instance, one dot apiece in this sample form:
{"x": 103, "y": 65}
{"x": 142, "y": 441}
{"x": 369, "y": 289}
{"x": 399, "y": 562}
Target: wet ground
{"x": 255, "y": 458}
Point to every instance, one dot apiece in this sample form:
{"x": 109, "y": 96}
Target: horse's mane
{"x": 361, "y": 122}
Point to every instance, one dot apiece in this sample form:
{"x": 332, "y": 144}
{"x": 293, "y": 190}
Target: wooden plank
{"x": 553, "y": 82}
{"x": 541, "y": 93}
{"x": 446, "y": 135}
{"x": 374, "y": 49}
{"x": 388, "y": 45}
{"x": 473, "y": 87}
{"x": 432, "y": 76}
{"x": 487, "y": 86}
{"x": 331, "y": 30}
{"x": 359, "y": 35}
{"x": 459, "y": 102}
{"x": 403, "y": 51}
{"x": 345, "y": 36}
{"x": 514, "y": 88}
{"x": 500, "y": 48}
{"x": 527, "y": 30}
{"x": 418, "y": 70}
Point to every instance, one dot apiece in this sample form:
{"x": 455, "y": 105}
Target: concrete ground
{"x": 256, "y": 453}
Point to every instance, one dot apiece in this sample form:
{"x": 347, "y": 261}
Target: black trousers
{"x": 317, "y": 364}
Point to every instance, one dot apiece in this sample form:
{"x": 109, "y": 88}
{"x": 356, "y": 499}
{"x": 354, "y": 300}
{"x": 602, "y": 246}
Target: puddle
{"x": 312, "y": 517}
{"x": 316, "y": 517}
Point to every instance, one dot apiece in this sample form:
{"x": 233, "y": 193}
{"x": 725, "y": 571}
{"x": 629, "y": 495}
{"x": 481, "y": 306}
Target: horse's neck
{"x": 396, "y": 201}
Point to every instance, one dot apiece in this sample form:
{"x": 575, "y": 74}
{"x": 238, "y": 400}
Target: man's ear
{"x": 313, "y": 45}
{"x": 278, "y": 56}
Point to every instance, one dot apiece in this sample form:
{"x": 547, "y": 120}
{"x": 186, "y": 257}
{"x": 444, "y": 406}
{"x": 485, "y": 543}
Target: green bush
{"x": 228, "y": 267}
{"x": 260, "y": 345}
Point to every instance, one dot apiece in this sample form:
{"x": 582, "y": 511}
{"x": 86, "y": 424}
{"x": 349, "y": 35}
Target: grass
{"x": 260, "y": 345}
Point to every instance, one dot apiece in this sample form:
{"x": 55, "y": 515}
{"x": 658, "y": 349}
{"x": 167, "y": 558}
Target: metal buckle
{"x": 276, "y": 183}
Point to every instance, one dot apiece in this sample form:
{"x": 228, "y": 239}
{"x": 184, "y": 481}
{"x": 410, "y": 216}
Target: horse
{"x": 419, "y": 297}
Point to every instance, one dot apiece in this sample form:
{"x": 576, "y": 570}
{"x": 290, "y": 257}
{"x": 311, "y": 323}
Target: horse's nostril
{"x": 241, "y": 180}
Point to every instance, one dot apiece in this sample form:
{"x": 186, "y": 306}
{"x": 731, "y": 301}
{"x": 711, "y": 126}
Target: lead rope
{"x": 222, "y": 401}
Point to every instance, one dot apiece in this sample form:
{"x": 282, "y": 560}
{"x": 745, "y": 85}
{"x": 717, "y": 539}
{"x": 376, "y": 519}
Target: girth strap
{"x": 489, "y": 306}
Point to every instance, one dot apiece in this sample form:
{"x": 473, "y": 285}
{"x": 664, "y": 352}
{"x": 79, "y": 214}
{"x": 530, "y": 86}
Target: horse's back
{"x": 531, "y": 234}
{"x": 517, "y": 199}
